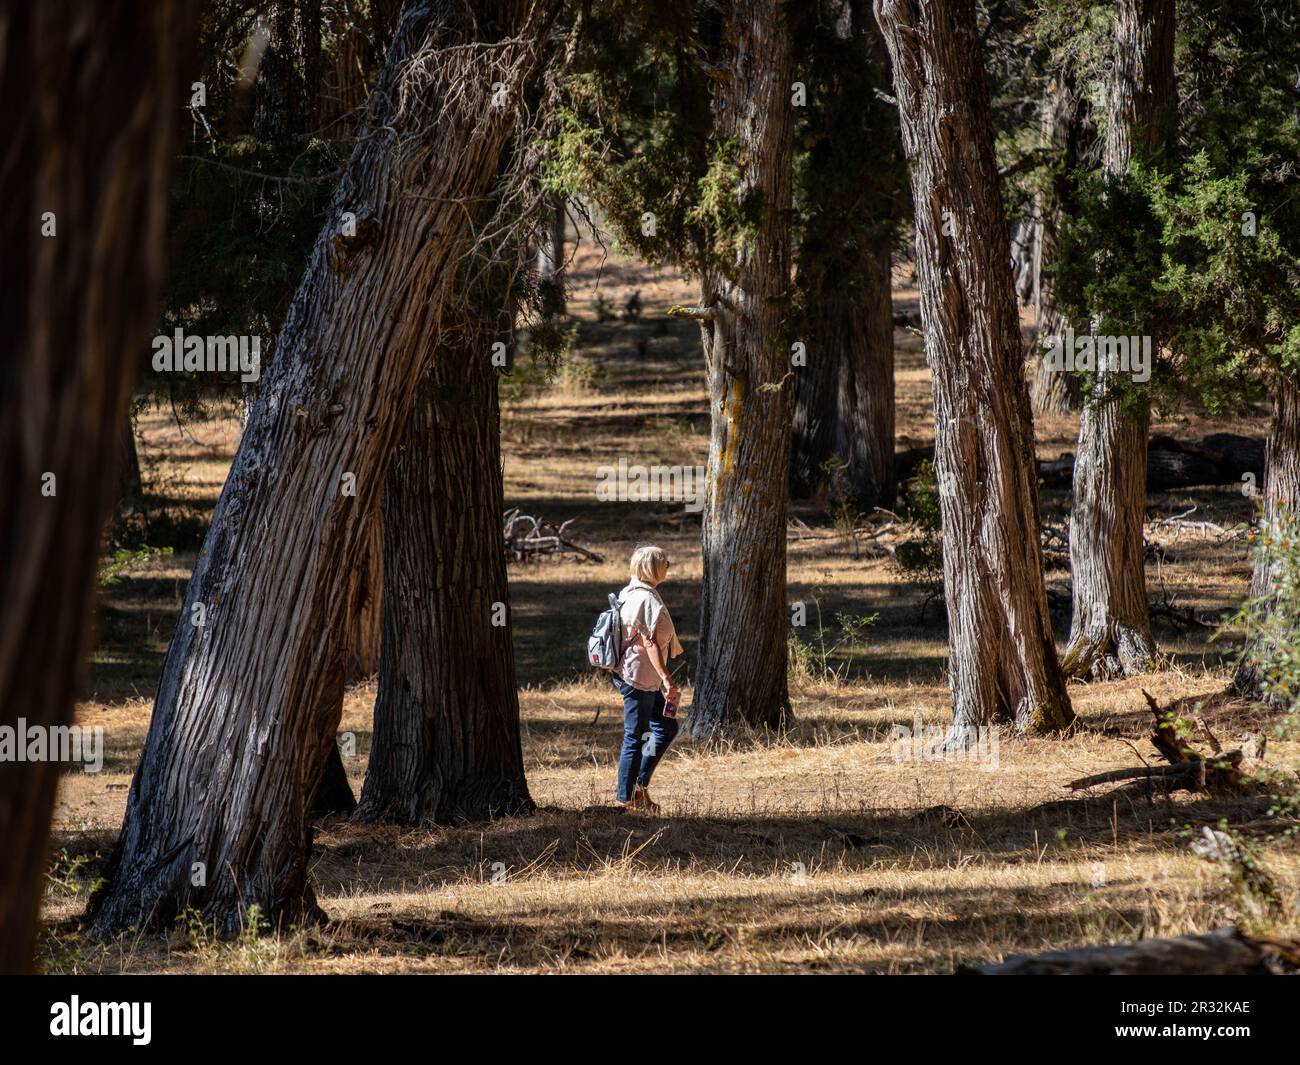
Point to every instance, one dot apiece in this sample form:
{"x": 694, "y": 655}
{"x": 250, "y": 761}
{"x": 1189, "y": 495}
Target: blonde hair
{"x": 649, "y": 564}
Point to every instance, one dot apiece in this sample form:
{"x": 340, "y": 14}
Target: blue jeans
{"x": 646, "y": 736}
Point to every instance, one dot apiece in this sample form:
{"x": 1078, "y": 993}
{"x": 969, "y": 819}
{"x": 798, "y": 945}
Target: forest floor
{"x": 834, "y": 849}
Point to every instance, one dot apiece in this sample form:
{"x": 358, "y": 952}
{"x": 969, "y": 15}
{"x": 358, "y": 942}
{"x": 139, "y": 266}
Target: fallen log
{"x": 1219, "y": 459}
{"x": 1223, "y": 952}
{"x": 1194, "y": 775}
{"x": 525, "y": 537}
{"x": 1186, "y": 768}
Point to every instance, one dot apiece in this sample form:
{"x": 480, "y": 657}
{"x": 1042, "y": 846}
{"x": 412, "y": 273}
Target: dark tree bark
{"x": 130, "y": 483}
{"x": 817, "y": 386}
{"x": 1002, "y": 665}
{"x": 367, "y": 605}
{"x": 844, "y": 404}
{"x": 1223, "y": 952}
{"x": 347, "y": 662}
{"x": 1064, "y": 132}
{"x": 844, "y": 396}
{"x": 741, "y": 675}
{"x": 864, "y": 427}
{"x": 217, "y": 814}
{"x": 333, "y": 794}
{"x": 446, "y": 746}
{"x": 1110, "y": 633}
{"x": 288, "y": 81}
{"x": 87, "y": 133}
{"x": 1281, "y": 496}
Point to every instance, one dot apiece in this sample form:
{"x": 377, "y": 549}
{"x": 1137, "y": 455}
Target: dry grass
{"x": 822, "y": 851}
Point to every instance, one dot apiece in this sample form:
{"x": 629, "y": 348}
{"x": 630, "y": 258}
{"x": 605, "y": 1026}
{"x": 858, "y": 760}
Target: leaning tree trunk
{"x": 741, "y": 673}
{"x": 1281, "y": 498}
{"x": 92, "y": 94}
{"x": 217, "y": 814}
{"x": 1110, "y": 631}
{"x": 446, "y": 745}
{"x": 1054, "y": 391}
{"x": 1002, "y": 665}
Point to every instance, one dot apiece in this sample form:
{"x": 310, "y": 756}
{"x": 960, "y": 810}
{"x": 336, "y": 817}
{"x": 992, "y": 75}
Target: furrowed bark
{"x": 446, "y": 746}
{"x": 844, "y": 396}
{"x": 844, "y": 407}
{"x": 1002, "y": 665}
{"x": 741, "y": 677}
{"x": 1110, "y": 632}
{"x": 864, "y": 428}
{"x": 92, "y": 97}
{"x": 216, "y": 817}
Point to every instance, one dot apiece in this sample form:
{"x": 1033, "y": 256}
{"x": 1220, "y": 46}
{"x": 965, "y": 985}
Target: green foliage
{"x": 1204, "y": 254}
{"x": 241, "y": 243}
{"x": 67, "y": 874}
{"x": 851, "y": 188}
{"x": 816, "y": 659}
{"x": 1111, "y": 249}
{"x": 544, "y": 353}
{"x": 725, "y": 211}
{"x": 1232, "y": 299}
{"x": 123, "y": 558}
{"x": 920, "y": 559}
{"x": 635, "y": 131}
{"x": 1271, "y": 623}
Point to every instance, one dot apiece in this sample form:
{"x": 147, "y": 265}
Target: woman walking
{"x": 649, "y": 713}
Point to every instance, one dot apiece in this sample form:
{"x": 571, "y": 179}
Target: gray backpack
{"x": 605, "y": 644}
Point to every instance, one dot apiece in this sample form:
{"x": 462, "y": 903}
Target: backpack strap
{"x": 614, "y": 604}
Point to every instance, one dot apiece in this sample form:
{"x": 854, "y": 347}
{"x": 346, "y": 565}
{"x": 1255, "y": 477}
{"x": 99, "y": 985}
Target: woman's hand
{"x": 673, "y": 694}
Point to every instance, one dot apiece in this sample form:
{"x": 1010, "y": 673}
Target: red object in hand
{"x": 670, "y": 708}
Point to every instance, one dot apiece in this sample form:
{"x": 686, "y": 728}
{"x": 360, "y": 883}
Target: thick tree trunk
{"x": 864, "y": 426}
{"x": 741, "y": 676}
{"x": 288, "y": 81}
{"x": 844, "y": 404}
{"x": 1110, "y": 632}
{"x": 446, "y": 746}
{"x": 1281, "y": 495}
{"x": 844, "y": 395}
{"x": 1062, "y": 126}
{"x": 333, "y": 794}
{"x": 816, "y": 401}
{"x": 217, "y": 814}
{"x": 1002, "y": 665}
{"x": 87, "y": 133}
